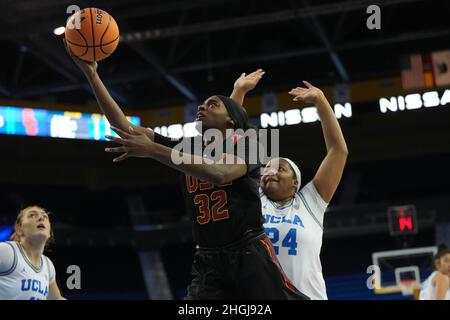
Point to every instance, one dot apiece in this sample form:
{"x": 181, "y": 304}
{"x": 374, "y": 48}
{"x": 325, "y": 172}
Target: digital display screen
{"x": 56, "y": 124}
{"x": 402, "y": 220}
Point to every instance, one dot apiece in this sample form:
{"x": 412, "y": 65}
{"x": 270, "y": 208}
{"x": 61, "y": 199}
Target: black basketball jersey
{"x": 224, "y": 214}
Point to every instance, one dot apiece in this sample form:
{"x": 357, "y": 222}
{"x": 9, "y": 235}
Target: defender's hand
{"x": 245, "y": 83}
{"x": 310, "y": 94}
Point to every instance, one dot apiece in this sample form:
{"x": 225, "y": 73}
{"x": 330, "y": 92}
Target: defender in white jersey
{"x": 295, "y": 229}
{"x": 437, "y": 285}
{"x": 25, "y": 272}
{"x": 293, "y": 216}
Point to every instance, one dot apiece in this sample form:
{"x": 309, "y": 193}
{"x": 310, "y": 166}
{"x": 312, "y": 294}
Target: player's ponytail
{"x": 15, "y": 237}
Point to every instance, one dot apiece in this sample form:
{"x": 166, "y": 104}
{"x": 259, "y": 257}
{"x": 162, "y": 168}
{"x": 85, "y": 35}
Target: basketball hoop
{"x": 408, "y": 287}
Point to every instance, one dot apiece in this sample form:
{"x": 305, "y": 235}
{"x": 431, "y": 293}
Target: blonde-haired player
{"x": 25, "y": 272}
{"x": 293, "y": 215}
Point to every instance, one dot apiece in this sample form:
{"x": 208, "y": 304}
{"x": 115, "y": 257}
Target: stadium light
{"x": 59, "y": 31}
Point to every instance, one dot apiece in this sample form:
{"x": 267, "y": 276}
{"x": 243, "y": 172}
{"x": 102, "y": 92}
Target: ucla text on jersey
{"x": 34, "y": 286}
{"x": 277, "y": 219}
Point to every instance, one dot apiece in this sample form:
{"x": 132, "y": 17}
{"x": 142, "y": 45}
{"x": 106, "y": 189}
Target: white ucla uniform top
{"x": 296, "y": 231}
{"x": 428, "y": 289}
{"x": 19, "y": 279}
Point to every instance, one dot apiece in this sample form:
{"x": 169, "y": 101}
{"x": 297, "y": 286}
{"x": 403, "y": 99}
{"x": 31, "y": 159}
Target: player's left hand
{"x": 247, "y": 82}
{"x": 134, "y": 144}
{"x": 310, "y": 94}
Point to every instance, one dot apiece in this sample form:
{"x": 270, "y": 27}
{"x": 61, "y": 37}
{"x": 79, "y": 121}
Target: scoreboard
{"x": 56, "y": 124}
{"x": 402, "y": 220}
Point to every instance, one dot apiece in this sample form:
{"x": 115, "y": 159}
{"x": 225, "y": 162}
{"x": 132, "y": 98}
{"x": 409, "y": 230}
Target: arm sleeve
{"x": 249, "y": 153}
{"x": 313, "y": 201}
{"x": 166, "y": 141}
{"x": 8, "y": 259}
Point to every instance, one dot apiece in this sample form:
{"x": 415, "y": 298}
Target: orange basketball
{"x": 92, "y": 34}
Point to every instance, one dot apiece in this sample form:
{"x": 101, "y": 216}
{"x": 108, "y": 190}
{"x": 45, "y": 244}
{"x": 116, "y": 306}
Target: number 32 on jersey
{"x": 210, "y": 207}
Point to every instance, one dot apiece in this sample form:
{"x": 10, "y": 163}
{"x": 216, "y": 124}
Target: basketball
{"x": 92, "y": 34}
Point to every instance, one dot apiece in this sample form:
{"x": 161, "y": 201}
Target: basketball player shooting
{"x": 234, "y": 258}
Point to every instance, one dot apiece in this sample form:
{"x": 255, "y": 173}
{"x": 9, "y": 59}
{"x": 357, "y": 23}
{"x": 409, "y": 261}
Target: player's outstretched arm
{"x": 134, "y": 144}
{"x": 244, "y": 84}
{"x": 330, "y": 171}
{"x": 54, "y": 293}
{"x": 109, "y": 107}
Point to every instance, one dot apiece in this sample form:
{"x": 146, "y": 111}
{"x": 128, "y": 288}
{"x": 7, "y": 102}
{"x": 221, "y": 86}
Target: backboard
{"x": 396, "y": 266}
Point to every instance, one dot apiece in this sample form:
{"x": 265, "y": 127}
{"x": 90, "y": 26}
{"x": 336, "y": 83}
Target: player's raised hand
{"x": 88, "y": 68}
{"x": 310, "y": 94}
{"x": 133, "y": 144}
{"x": 247, "y": 82}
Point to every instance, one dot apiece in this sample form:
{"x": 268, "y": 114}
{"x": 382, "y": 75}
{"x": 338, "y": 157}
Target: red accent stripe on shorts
{"x": 268, "y": 244}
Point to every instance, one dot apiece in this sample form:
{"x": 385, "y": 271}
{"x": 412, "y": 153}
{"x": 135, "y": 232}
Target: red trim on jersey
{"x": 266, "y": 241}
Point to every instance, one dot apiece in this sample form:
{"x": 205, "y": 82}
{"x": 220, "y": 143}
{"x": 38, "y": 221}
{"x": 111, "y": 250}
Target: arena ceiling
{"x": 176, "y": 51}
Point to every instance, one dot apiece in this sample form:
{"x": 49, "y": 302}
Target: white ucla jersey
{"x": 19, "y": 279}
{"x": 296, "y": 231}
{"x": 428, "y": 289}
